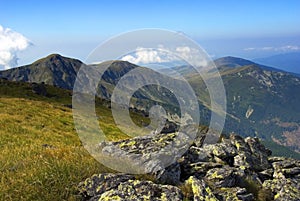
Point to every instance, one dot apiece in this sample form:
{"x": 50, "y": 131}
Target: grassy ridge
{"x": 42, "y": 158}
{"x": 41, "y": 155}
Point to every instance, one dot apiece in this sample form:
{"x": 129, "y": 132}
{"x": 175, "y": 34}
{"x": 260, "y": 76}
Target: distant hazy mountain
{"x": 232, "y": 62}
{"x": 289, "y": 62}
{"x": 261, "y": 101}
{"x": 264, "y": 103}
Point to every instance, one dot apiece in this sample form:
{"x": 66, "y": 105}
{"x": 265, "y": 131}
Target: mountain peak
{"x": 53, "y": 69}
{"x": 117, "y": 62}
{"x": 230, "y": 61}
{"x": 56, "y": 58}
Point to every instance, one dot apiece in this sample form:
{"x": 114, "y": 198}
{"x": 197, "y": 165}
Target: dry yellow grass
{"x": 41, "y": 156}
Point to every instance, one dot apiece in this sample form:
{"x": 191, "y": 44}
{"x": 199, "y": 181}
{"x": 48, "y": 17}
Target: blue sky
{"x": 73, "y": 28}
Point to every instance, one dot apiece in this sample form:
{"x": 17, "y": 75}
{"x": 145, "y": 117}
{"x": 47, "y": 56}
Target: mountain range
{"x": 261, "y": 101}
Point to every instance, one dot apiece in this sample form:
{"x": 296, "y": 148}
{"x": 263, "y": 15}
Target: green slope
{"x": 41, "y": 155}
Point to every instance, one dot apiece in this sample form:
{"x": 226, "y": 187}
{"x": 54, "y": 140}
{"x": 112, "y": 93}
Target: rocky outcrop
{"x": 285, "y": 181}
{"x": 150, "y": 153}
{"x": 233, "y": 169}
{"x": 124, "y": 187}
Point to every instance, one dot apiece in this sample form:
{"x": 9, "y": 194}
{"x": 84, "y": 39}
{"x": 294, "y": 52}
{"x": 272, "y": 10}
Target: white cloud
{"x": 164, "y": 55}
{"x": 193, "y": 56}
{"x": 185, "y": 52}
{"x": 267, "y": 48}
{"x": 285, "y": 48}
{"x": 11, "y": 43}
{"x": 290, "y": 47}
{"x": 249, "y": 48}
{"x": 145, "y": 56}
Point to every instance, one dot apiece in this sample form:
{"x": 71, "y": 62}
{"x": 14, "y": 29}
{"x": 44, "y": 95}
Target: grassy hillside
{"x": 41, "y": 155}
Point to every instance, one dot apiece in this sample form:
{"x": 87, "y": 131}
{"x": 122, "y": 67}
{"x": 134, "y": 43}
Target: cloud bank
{"x": 11, "y": 43}
{"x": 161, "y": 55}
{"x": 145, "y": 56}
{"x": 285, "y": 48}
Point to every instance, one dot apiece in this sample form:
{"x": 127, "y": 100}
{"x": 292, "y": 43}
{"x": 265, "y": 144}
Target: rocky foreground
{"x": 233, "y": 169}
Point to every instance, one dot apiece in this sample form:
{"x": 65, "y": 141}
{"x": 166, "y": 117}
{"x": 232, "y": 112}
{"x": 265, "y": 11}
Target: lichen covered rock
{"x": 98, "y": 184}
{"x": 124, "y": 187}
{"x": 200, "y": 190}
{"x": 234, "y": 194}
{"x": 284, "y": 189}
{"x": 146, "y": 154}
{"x": 233, "y": 169}
{"x": 221, "y": 177}
{"x": 285, "y": 183}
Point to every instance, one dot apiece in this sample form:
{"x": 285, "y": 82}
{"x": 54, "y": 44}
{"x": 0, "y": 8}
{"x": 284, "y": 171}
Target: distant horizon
{"x": 208, "y": 45}
{"x": 213, "y": 59}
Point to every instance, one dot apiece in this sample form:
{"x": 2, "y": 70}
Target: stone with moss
{"x": 234, "y": 194}
{"x": 198, "y": 169}
{"x": 98, "y": 184}
{"x": 221, "y": 177}
{"x": 108, "y": 187}
{"x": 284, "y": 189}
{"x": 251, "y": 153}
{"x": 200, "y": 191}
{"x": 232, "y": 169}
{"x": 146, "y": 154}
